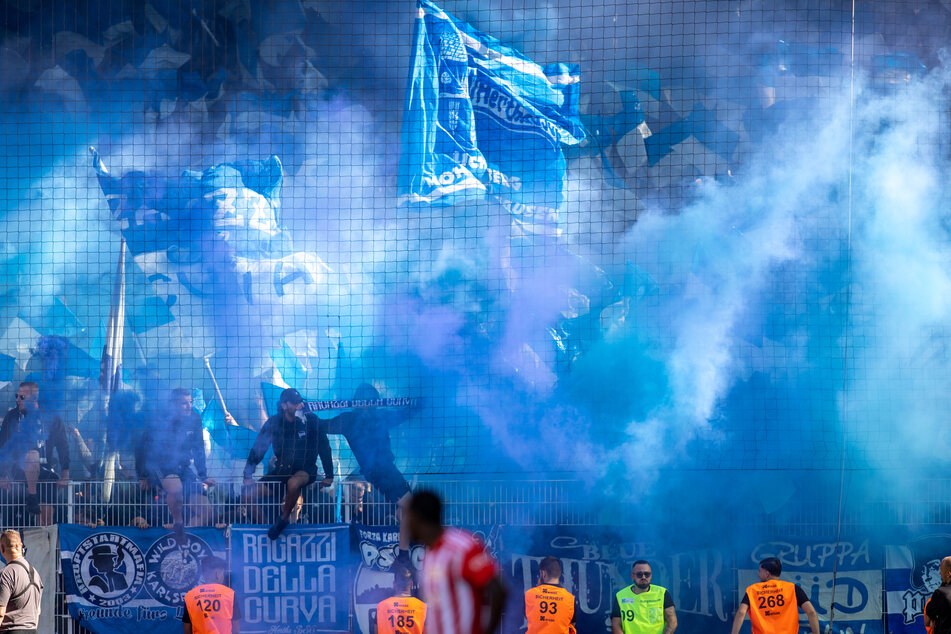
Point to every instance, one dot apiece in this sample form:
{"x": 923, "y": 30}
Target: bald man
{"x": 938, "y": 608}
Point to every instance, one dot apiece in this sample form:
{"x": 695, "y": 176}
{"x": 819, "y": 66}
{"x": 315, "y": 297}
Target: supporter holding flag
{"x": 482, "y": 120}
{"x": 367, "y": 430}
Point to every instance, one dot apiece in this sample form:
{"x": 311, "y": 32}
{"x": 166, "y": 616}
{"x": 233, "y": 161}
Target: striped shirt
{"x": 455, "y": 572}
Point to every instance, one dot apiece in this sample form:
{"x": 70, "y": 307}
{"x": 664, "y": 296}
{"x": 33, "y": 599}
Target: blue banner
{"x": 129, "y": 581}
{"x": 596, "y": 564}
{"x": 300, "y": 581}
{"x": 809, "y": 563}
{"x": 377, "y": 548}
{"x": 912, "y": 574}
{"x": 483, "y": 120}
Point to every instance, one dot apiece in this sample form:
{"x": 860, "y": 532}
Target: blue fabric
{"x": 120, "y": 580}
{"x": 482, "y": 120}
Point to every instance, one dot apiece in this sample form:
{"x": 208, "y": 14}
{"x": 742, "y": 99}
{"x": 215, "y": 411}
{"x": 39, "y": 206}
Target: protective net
{"x": 573, "y": 238}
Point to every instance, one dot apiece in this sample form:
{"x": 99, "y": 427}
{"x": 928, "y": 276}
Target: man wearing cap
{"x": 297, "y": 439}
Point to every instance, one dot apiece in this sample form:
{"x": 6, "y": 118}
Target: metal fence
{"x": 470, "y": 502}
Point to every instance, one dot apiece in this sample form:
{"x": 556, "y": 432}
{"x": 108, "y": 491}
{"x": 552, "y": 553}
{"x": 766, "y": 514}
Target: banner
{"x": 377, "y": 547}
{"x": 912, "y": 574}
{"x": 596, "y": 563}
{"x": 482, "y": 119}
{"x": 39, "y": 548}
{"x": 301, "y": 581}
{"x": 809, "y": 564}
{"x": 121, "y": 580}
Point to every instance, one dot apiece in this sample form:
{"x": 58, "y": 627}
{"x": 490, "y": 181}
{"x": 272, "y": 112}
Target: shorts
{"x": 46, "y": 489}
{"x": 191, "y": 486}
{"x": 282, "y": 474}
{"x": 388, "y": 480}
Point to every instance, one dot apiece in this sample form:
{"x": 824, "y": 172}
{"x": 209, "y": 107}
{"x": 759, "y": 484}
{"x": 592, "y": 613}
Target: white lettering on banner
{"x": 289, "y": 609}
{"x": 596, "y": 577}
{"x": 913, "y": 605}
{"x": 488, "y": 98}
{"x": 608, "y": 552}
{"x": 277, "y": 580}
{"x": 473, "y": 162}
{"x": 293, "y": 548}
{"x": 858, "y": 593}
{"x": 812, "y": 555}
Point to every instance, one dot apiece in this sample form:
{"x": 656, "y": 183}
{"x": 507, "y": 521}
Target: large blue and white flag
{"x": 482, "y": 120}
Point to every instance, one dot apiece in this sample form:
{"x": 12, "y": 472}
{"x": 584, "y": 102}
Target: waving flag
{"x": 483, "y": 120}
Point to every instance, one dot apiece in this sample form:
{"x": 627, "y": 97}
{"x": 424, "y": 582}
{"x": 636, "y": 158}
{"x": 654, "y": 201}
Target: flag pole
{"x": 214, "y": 382}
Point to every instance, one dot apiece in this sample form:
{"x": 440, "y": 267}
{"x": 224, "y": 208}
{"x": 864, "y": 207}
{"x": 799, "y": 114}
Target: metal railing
{"x": 471, "y": 502}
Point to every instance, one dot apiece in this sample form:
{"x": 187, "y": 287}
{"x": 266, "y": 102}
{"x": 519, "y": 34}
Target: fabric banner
{"x": 377, "y": 547}
{"x": 912, "y": 574}
{"x": 39, "y": 548}
{"x": 482, "y": 119}
{"x": 808, "y": 562}
{"x": 596, "y": 563}
{"x": 300, "y": 582}
{"x": 127, "y": 581}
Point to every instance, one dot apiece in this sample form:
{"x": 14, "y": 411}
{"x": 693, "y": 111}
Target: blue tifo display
{"x": 484, "y": 121}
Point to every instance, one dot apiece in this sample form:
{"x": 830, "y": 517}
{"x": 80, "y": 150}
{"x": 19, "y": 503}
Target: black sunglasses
{"x": 642, "y": 574}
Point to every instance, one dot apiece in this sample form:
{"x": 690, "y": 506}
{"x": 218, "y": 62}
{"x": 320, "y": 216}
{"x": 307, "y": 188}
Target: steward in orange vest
{"x": 774, "y": 604}
{"x": 402, "y": 613}
{"x": 549, "y": 608}
{"x": 210, "y": 608}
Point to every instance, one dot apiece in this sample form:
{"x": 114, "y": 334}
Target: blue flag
{"x": 482, "y": 120}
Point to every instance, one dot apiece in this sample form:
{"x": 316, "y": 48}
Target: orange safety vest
{"x": 925, "y": 609}
{"x": 773, "y": 608}
{"x": 210, "y": 608}
{"x": 549, "y": 609}
{"x": 400, "y": 615}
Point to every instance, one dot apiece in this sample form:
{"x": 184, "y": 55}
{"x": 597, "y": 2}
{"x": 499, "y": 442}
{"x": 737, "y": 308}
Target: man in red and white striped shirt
{"x": 459, "y": 580}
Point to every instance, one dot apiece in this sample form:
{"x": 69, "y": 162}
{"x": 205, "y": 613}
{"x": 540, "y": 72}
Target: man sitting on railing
{"x": 297, "y": 440}
{"x": 34, "y": 447}
{"x": 171, "y": 455}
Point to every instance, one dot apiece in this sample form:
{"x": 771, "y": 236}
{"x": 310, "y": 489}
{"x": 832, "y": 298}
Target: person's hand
{"x": 139, "y": 522}
{"x": 209, "y": 482}
{"x": 326, "y": 483}
{"x": 249, "y": 483}
{"x": 229, "y": 420}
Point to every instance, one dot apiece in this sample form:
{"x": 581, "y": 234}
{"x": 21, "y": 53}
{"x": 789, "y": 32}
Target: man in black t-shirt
{"x": 938, "y": 609}
{"x": 297, "y": 440}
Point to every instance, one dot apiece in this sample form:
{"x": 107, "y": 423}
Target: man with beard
{"x": 642, "y": 607}
{"x": 297, "y": 439}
